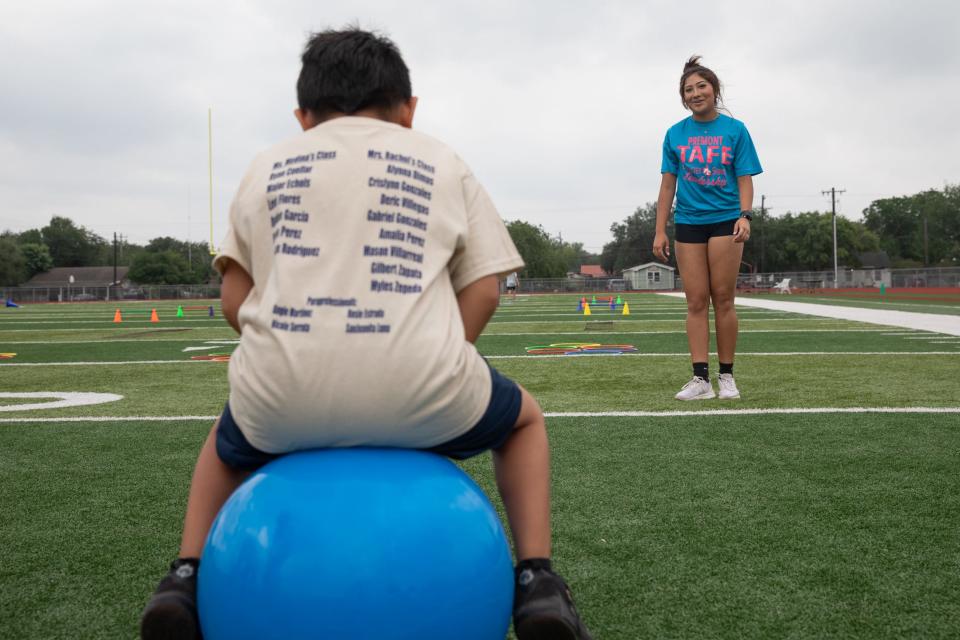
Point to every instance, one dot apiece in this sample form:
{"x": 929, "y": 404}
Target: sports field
{"x": 825, "y": 503}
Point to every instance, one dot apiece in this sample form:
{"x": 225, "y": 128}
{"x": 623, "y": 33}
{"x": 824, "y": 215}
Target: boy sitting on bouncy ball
{"x": 361, "y": 241}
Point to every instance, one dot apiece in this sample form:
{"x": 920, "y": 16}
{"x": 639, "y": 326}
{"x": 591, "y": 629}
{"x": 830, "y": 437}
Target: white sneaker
{"x": 728, "y": 388}
{"x": 696, "y": 389}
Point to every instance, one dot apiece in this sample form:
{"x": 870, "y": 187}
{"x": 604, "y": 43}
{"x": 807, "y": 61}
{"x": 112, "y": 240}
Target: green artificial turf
{"x": 800, "y": 525}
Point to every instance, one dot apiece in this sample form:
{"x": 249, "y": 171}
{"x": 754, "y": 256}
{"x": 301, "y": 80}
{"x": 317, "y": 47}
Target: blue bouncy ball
{"x": 357, "y": 543}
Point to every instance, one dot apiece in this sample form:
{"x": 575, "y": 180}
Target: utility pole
{"x": 210, "y": 171}
{"x": 189, "y": 248}
{"x": 114, "y": 283}
{"x": 833, "y": 208}
{"x": 763, "y": 232}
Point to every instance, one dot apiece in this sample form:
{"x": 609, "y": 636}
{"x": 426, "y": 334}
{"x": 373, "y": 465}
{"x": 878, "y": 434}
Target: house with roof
{"x": 592, "y": 271}
{"x": 78, "y": 283}
{"x": 79, "y": 277}
{"x": 650, "y": 276}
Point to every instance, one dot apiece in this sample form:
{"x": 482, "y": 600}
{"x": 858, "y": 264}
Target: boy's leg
{"x": 543, "y": 606}
{"x": 171, "y": 612}
{"x": 213, "y": 482}
{"x": 522, "y": 467}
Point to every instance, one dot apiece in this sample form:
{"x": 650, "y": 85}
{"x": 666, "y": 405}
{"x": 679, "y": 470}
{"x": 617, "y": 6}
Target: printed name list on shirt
{"x": 399, "y": 221}
{"x": 393, "y": 255}
{"x": 288, "y": 179}
{"x": 401, "y": 189}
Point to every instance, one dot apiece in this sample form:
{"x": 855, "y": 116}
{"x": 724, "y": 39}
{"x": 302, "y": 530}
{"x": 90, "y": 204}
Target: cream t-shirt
{"x": 358, "y": 234}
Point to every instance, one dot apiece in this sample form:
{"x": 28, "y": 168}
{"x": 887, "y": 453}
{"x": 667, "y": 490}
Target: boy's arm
{"x": 477, "y": 301}
{"x": 237, "y": 284}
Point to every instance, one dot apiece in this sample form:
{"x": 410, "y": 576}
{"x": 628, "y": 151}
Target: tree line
{"x": 61, "y": 243}
{"x": 914, "y": 231}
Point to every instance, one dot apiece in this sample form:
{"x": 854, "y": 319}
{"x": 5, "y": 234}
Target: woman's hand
{"x": 741, "y": 230}
{"x": 661, "y": 246}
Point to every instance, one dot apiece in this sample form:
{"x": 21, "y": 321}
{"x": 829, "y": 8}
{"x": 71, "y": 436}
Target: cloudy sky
{"x": 560, "y": 107}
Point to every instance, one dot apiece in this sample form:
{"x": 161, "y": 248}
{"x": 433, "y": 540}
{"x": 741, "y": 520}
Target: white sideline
{"x": 557, "y": 414}
{"x": 936, "y": 322}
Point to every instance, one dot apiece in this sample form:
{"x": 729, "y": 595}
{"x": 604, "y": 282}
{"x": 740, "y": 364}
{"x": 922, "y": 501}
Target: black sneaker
{"x": 171, "y": 613}
{"x": 543, "y": 608}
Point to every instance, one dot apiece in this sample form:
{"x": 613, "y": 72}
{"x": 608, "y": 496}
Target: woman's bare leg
{"x": 695, "y": 272}
{"x": 724, "y": 258}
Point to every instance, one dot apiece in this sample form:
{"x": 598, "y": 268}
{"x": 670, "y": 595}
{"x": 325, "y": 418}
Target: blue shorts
{"x": 491, "y": 432}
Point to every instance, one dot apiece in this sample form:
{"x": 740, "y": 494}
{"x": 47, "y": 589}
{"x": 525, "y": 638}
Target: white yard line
{"x": 487, "y": 335}
{"x": 194, "y": 339}
{"x": 657, "y": 333}
{"x": 935, "y": 322}
{"x": 524, "y": 357}
{"x": 95, "y": 364}
{"x": 648, "y": 321}
{"x": 557, "y": 414}
{"x": 106, "y": 322}
{"x": 749, "y": 412}
{"x": 739, "y": 354}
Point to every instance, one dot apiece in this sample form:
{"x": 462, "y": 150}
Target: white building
{"x": 650, "y": 276}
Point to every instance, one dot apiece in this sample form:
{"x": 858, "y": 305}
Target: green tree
{"x": 159, "y": 267}
{"x": 574, "y": 255}
{"x": 12, "y": 262}
{"x": 72, "y": 246}
{"x": 632, "y": 240}
{"x": 37, "y": 258}
{"x": 794, "y": 242}
{"x": 33, "y": 236}
{"x": 196, "y": 255}
{"x": 922, "y": 229}
{"x": 804, "y": 242}
{"x": 543, "y": 255}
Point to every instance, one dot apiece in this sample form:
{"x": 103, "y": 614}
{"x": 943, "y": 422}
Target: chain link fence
{"x": 82, "y": 293}
{"x": 945, "y": 277}
{"x": 939, "y": 277}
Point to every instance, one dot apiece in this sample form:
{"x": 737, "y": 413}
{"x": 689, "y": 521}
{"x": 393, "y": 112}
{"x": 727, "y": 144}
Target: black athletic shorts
{"x": 491, "y": 432}
{"x": 701, "y": 233}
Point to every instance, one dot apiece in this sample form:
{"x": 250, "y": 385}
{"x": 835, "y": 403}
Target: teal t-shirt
{"x": 707, "y": 158}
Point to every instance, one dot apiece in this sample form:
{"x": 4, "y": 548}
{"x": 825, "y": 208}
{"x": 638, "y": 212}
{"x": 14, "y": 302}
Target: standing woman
{"x": 708, "y": 162}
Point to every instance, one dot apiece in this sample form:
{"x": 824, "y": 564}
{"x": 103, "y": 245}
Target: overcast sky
{"x": 559, "y": 107}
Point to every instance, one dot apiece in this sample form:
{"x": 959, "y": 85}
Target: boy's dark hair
{"x": 351, "y": 70}
{"x": 693, "y": 66}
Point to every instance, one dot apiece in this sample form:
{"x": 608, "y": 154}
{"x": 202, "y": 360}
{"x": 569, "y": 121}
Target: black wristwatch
{"x": 748, "y": 215}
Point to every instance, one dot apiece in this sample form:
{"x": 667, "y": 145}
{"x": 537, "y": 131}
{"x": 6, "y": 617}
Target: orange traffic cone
{"x": 153, "y": 316}
{"x": 117, "y": 317}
